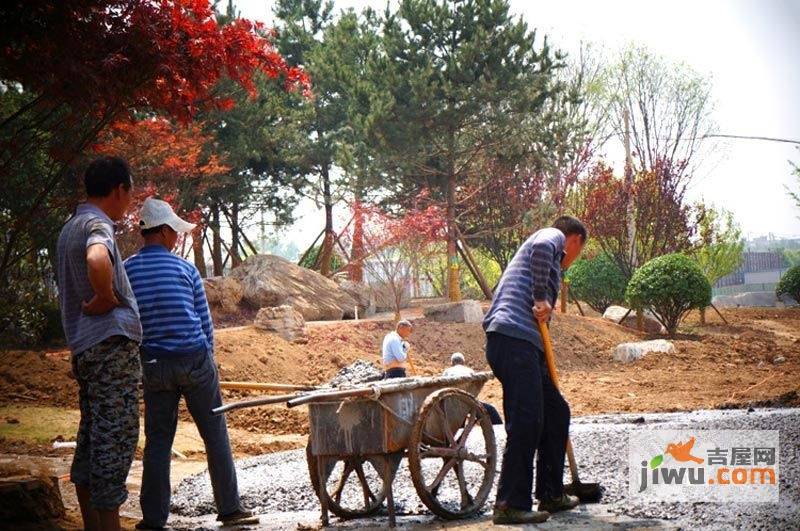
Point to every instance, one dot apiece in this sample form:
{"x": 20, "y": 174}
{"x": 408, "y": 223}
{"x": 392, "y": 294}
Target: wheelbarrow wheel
{"x": 355, "y": 486}
{"x": 452, "y": 454}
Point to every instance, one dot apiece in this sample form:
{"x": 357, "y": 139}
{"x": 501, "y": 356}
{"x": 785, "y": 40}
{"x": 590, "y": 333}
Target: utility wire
{"x": 745, "y": 137}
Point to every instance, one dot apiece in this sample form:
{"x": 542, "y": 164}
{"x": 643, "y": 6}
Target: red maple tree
{"x": 170, "y": 161}
{"x": 665, "y": 223}
{"x": 391, "y": 247}
{"x": 81, "y": 65}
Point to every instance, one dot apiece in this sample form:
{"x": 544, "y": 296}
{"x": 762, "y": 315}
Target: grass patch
{"x": 38, "y": 424}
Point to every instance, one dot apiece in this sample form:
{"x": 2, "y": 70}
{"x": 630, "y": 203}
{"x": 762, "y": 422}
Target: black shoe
{"x": 144, "y": 525}
{"x": 240, "y": 517}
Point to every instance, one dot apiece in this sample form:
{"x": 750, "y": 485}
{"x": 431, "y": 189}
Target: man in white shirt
{"x": 395, "y": 350}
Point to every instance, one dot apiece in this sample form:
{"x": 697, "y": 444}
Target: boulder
{"x": 651, "y": 324}
{"x": 284, "y": 321}
{"x": 223, "y": 293}
{"x": 269, "y": 280}
{"x": 467, "y": 311}
{"x": 627, "y": 352}
{"x": 362, "y": 294}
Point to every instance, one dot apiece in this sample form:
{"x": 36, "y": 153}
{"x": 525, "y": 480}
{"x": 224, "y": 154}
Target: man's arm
{"x": 542, "y": 257}
{"x": 100, "y": 270}
{"x": 201, "y": 308}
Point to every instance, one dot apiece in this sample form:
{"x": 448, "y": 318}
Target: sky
{"x": 751, "y": 51}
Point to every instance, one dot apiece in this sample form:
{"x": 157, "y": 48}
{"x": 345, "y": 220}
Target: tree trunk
{"x": 236, "y": 259}
{"x": 453, "y": 287}
{"x": 357, "y": 250}
{"x": 197, "y": 249}
{"x": 702, "y": 316}
{"x": 327, "y": 242}
{"x": 474, "y": 269}
{"x": 630, "y": 214}
{"x": 216, "y": 238}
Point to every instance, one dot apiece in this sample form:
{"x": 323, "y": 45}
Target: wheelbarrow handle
{"x": 551, "y": 368}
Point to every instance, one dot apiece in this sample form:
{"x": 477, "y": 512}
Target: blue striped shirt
{"x": 533, "y": 274}
{"x": 172, "y": 303}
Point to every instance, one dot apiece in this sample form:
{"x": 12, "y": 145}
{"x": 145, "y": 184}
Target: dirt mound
{"x": 582, "y": 343}
{"x": 714, "y": 364}
{"x": 27, "y": 376}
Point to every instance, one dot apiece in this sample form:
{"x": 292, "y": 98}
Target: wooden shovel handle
{"x": 261, "y": 386}
{"x": 551, "y": 368}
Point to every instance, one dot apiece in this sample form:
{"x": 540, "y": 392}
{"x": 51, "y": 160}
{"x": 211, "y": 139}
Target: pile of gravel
{"x": 280, "y": 481}
{"x": 358, "y": 372}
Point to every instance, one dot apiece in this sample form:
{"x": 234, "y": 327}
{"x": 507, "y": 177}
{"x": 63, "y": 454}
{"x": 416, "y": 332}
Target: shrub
{"x": 597, "y": 281}
{"x": 790, "y": 284}
{"x": 669, "y": 286}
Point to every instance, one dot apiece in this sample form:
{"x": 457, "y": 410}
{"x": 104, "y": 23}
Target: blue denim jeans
{"x": 165, "y": 380}
{"x": 537, "y": 422}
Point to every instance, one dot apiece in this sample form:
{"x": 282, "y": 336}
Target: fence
{"x": 743, "y": 288}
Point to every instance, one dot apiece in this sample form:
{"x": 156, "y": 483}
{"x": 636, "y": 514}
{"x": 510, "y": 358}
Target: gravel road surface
{"x": 277, "y": 485}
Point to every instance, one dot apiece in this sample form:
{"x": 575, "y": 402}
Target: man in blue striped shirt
{"x": 537, "y": 416}
{"x": 177, "y": 360}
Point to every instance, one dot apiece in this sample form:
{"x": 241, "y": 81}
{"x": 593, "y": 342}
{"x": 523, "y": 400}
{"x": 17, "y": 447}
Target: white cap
{"x": 156, "y": 212}
{"x": 457, "y": 358}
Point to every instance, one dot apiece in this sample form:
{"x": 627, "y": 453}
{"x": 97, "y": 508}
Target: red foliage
{"x": 664, "y": 222}
{"x": 377, "y": 231}
{"x": 415, "y": 228}
{"x": 167, "y": 161}
{"x": 167, "y": 155}
{"x": 165, "y": 55}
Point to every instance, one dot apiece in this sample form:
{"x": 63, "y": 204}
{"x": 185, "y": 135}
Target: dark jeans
{"x": 537, "y": 418}
{"x": 195, "y": 378}
{"x": 397, "y": 372}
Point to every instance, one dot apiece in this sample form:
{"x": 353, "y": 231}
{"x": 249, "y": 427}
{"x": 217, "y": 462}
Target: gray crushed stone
{"x": 279, "y": 483}
{"x": 358, "y": 372}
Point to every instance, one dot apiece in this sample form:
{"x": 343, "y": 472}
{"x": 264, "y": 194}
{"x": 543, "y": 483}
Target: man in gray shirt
{"x": 101, "y": 324}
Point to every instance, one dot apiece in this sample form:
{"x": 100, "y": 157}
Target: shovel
{"x": 586, "y": 492}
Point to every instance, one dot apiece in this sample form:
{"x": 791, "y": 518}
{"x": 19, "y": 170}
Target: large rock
{"x": 269, "y": 280}
{"x": 467, "y": 311}
{"x": 627, "y": 352}
{"x": 223, "y": 293}
{"x": 651, "y": 324}
{"x": 362, "y": 294}
{"x": 284, "y": 321}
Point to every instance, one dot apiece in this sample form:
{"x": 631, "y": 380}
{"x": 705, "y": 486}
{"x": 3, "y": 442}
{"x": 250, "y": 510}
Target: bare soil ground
{"x": 716, "y": 365}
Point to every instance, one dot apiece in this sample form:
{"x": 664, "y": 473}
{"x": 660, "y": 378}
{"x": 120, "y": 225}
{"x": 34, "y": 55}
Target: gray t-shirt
{"x": 89, "y": 226}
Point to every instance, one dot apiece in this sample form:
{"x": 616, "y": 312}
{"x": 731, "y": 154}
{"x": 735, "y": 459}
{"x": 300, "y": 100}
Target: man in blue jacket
{"x": 537, "y": 416}
{"x": 177, "y": 360}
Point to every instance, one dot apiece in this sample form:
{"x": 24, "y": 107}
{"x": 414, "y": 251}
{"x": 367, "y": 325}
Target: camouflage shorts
{"x": 108, "y": 375}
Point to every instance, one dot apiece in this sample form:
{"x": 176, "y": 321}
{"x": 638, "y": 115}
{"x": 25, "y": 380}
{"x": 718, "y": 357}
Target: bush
{"x": 790, "y": 284}
{"x": 597, "y": 281}
{"x": 669, "y": 286}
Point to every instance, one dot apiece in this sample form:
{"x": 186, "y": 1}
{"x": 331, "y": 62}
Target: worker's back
{"x": 393, "y": 349}
{"x": 533, "y": 273}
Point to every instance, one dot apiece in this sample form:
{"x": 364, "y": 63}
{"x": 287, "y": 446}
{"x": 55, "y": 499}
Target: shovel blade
{"x": 586, "y": 492}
